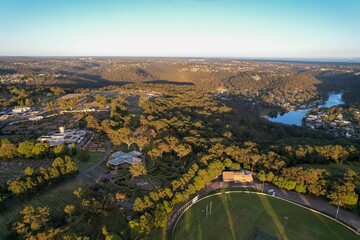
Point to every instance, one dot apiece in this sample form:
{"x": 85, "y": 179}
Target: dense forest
{"x": 284, "y": 85}
{"x": 192, "y": 131}
{"x": 280, "y": 88}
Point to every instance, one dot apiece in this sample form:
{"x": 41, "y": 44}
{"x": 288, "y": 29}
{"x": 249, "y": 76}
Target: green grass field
{"x": 256, "y": 217}
{"x": 56, "y": 198}
{"x": 94, "y": 158}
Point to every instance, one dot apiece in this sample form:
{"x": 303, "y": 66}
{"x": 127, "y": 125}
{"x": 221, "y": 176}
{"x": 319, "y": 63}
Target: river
{"x": 295, "y": 117}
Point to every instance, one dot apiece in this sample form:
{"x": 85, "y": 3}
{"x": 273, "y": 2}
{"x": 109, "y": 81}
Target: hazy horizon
{"x": 319, "y": 60}
{"x": 182, "y": 28}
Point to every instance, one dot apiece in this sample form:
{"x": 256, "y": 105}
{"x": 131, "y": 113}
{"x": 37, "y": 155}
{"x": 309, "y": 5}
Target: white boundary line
{"x": 178, "y": 217}
{"x": 263, "y": 194}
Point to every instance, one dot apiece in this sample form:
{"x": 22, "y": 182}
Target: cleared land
{"x": 251, "y": 216}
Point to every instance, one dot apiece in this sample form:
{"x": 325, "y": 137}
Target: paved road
{"x": 317, "y": 203}
{"x": 92, "y": 174}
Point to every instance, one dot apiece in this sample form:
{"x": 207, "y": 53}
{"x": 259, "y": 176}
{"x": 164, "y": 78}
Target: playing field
{"x": 255, "y": 217}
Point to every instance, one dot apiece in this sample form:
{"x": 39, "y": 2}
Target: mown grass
{"x": 56, "y": 198}
{"x": 157, "y": 234}
{"x": 251, "y": 216}
{"x": 94, "y": 158}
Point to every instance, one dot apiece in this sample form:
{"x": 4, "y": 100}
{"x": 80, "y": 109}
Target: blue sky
{"x": 209, "y": 28}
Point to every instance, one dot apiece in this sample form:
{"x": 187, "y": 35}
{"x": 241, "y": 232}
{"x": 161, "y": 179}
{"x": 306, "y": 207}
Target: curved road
{"x": 85, "y": 174}
{"x": 317, "y": 203}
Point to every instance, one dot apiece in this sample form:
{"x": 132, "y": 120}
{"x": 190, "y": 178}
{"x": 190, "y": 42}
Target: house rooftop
{"x": 240, "y": 176}
{"x": 120, "y": 157}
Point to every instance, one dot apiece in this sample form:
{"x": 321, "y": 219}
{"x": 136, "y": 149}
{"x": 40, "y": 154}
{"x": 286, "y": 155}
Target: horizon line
{"x": 300, "y": 59}
{"x": 190, "y": 57}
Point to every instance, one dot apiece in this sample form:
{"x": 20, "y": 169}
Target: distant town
{"x": 335, "y": 121}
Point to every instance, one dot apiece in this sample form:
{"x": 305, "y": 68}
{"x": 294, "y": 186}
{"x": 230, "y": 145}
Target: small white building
{"x": 35, "y": 119}
{"x": 19, "y": 109}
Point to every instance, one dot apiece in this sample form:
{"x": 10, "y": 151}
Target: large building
{"x": 244, "y": 177}
{"x": 63, "y": 137}
{"x": 123, "y": 159}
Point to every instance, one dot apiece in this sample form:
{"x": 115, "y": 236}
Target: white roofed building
{"x": 63, "y": 136}
{"x": 124, "y": 159}
{"x": 19, "y": 109}
{"x": 37, "y": 118}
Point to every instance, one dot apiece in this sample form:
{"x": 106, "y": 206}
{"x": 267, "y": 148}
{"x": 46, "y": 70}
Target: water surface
{"x": 295, "y": 117}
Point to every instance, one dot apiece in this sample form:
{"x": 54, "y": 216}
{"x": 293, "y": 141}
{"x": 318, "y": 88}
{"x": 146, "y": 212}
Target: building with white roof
{"x": 19, "y": 109}
{"x": 37, "y": 118}
{"x": 62, "y": 137}
{"x": 124, "y": 159}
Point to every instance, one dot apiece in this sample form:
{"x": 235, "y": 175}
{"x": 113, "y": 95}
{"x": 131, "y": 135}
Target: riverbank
{"x": 338, "y": 121}
{"x": 295, "y": 117}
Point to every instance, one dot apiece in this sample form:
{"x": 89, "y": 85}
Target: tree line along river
{"x": 295, "y": 117}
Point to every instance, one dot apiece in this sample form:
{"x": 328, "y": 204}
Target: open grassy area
{"x": 94, "y": 157}
{"x": 251, "y": 216}
{"x": 334, "y": 168}
{"x": 15, "y": 168}
{"x": 157, "y": 234}
{"x": 56, "y": 198}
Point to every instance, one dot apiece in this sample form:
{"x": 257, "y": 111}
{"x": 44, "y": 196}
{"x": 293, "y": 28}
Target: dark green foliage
{"x": 83, "y": 155}
{"x": 33, "y": 181}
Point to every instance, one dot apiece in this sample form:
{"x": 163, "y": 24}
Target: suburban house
{"x": 123, "y": 159}
{"x": 243, "y": 177}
